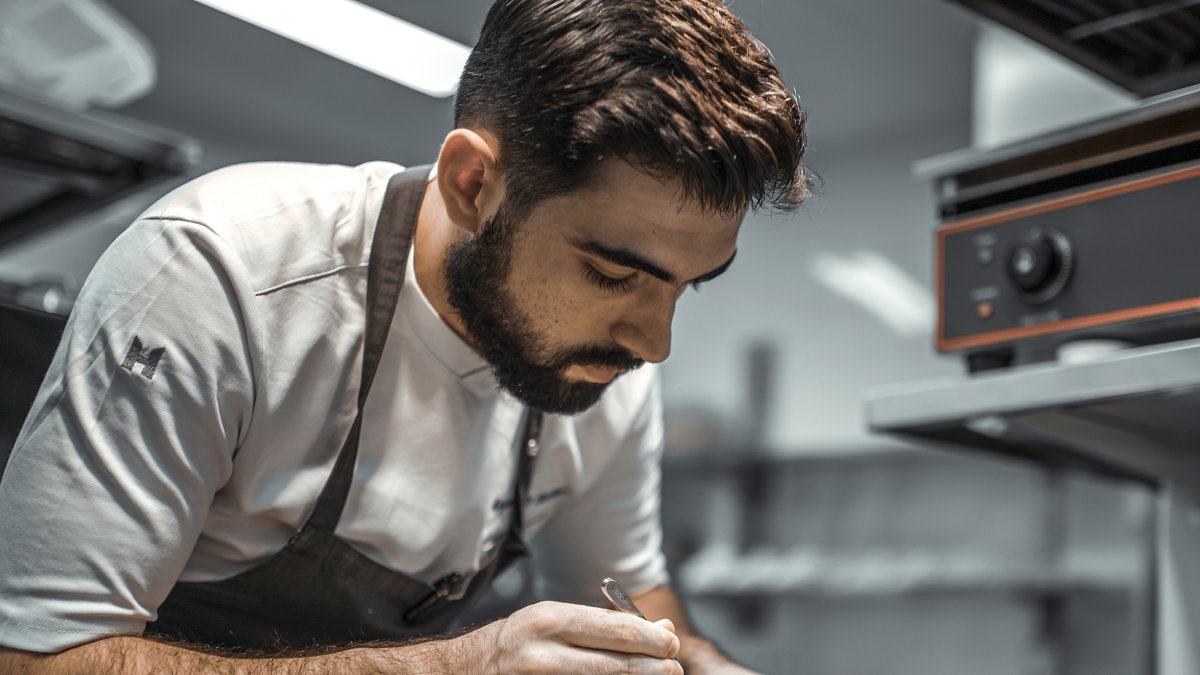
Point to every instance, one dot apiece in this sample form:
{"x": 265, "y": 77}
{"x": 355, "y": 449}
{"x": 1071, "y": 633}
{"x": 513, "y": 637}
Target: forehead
{"x": 623, "y": 207}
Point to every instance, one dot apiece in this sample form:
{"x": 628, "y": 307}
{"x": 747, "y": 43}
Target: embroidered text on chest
{"x": 533, "y": 500}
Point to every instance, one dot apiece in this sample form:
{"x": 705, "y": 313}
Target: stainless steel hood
{"x": 1148, "y": 47}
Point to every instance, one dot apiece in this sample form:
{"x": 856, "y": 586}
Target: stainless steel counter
{"x": 1132, "y": 413}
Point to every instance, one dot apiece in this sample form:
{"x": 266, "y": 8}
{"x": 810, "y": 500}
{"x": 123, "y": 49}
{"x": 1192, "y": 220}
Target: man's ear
{"x": 468, "y": 178}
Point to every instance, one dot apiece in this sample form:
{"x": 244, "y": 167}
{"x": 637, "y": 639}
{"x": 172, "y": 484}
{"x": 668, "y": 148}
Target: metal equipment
{"x": 1148, "y": 47}
{"x": 57, "y": 163}
{"x": 1084, "y": 233}
{"x": 1081, "y": 235}
{"x": 1130, "y": 414}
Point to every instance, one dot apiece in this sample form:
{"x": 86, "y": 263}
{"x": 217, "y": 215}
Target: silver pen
{"x": 618, "y": 598}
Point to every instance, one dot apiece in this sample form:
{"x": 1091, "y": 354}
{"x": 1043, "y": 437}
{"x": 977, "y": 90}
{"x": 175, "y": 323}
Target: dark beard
{"x": 476, "y": 272}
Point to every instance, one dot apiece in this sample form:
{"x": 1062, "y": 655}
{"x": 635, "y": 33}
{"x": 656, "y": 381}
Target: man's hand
{"x": 554, "y": 637}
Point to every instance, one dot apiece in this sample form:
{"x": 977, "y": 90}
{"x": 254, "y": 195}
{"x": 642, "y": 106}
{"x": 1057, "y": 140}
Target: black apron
{"x": 318, "y": 590}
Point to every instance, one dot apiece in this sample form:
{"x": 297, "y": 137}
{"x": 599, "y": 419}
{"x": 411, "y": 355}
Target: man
{"x": 272, "y": 440}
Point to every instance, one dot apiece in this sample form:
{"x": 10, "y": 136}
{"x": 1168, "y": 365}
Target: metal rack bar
{"x": 1127, "y": 19}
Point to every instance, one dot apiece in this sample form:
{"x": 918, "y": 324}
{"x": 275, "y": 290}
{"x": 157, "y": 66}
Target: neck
{"x": 434, "y": 236}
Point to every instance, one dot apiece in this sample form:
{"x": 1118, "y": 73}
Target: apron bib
{"x": 318, "y": 590}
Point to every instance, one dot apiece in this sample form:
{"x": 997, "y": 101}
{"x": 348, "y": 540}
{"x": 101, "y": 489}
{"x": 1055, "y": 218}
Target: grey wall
{"x": 1022, "y": 89}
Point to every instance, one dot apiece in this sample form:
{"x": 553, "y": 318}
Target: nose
{"x": 646, "y": 331}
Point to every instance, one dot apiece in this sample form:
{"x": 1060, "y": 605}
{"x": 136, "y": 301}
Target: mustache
{"x": 596, "y": 355}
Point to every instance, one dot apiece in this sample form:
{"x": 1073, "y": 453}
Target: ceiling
{"x": 862, "y": 68}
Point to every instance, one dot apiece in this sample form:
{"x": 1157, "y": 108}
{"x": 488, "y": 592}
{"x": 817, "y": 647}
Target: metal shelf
{"x": 733, "y": 459}
{"x": 804, "y": 574}
{"x": 1130, "y": 414}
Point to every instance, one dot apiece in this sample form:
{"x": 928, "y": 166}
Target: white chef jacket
{"x": 206, "y": 381}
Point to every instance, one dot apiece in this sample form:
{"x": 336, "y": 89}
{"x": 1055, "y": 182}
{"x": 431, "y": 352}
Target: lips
{"x": 600, "y": 374}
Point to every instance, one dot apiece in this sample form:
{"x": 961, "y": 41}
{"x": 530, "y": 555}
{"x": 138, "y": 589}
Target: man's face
{"x": 565, "y": 298}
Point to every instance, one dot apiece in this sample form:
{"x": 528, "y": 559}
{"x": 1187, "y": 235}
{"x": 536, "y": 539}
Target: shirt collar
{"x": 442, "y": 342}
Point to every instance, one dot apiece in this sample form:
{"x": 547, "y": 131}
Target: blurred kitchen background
{"x": 803, "y": 543}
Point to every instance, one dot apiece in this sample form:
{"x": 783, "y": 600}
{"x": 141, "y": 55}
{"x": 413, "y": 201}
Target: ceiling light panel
{"x": 361, "y": 36}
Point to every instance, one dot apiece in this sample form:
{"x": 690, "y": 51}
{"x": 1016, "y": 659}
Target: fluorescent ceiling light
{"x": 361, "y": 36}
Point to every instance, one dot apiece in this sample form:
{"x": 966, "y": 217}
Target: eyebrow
{"x": 626, "y": 258}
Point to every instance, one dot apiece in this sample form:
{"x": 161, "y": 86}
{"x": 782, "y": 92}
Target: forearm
{"x": 140, "y": 656}
{"x": 698, "y": 655}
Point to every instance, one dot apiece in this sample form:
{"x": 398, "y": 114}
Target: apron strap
{"x": 528, "y": 452}
{"x": 394, "y": 232}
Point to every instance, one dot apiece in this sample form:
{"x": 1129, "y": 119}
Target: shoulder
{"x": 246, "y": 191}
{"x": 284, "y": 221}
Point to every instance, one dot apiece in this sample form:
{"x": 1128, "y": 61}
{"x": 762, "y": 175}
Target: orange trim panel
{"x": 1075, "y": 323}
{"x": 1103, "y": 319}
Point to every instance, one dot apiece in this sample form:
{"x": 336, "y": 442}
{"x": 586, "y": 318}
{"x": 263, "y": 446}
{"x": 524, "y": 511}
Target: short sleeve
{"x": 130, "y": 436}
{"x": 614, "y": 529}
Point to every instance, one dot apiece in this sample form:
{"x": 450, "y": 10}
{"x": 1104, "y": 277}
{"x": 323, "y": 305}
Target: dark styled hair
{"x": 678, "y": 88}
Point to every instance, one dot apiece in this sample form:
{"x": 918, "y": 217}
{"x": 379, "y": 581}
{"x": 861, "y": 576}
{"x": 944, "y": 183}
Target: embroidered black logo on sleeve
{"x": 149, "y": 358}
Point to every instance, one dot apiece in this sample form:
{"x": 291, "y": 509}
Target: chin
{"x": 569, "y": 398}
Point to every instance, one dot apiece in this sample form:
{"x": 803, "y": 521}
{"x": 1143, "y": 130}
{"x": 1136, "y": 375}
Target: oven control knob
{"x": 1040, "y": 264}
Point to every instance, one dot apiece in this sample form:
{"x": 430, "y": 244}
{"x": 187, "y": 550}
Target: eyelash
{"x": 606, "y": 282}
{"x": 613, "y": 285}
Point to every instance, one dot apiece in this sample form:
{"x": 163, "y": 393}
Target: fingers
{"x": 669, "y": 625}
{"x": 609, "y": 662}
{"x": 589, "y": 662}
{"x": 603, "y": 629}
{"x": 552, "y": 637}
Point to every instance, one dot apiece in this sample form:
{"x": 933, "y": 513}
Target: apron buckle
{"x": 442, "y": 588}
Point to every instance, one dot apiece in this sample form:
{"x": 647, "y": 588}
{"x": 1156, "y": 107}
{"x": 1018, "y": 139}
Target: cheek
{"x": 558, "y": 300}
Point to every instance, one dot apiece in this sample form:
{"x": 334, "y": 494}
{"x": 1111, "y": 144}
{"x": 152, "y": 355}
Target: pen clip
{"x": 618, "y": 598}
{"x": 442, "y": 588}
